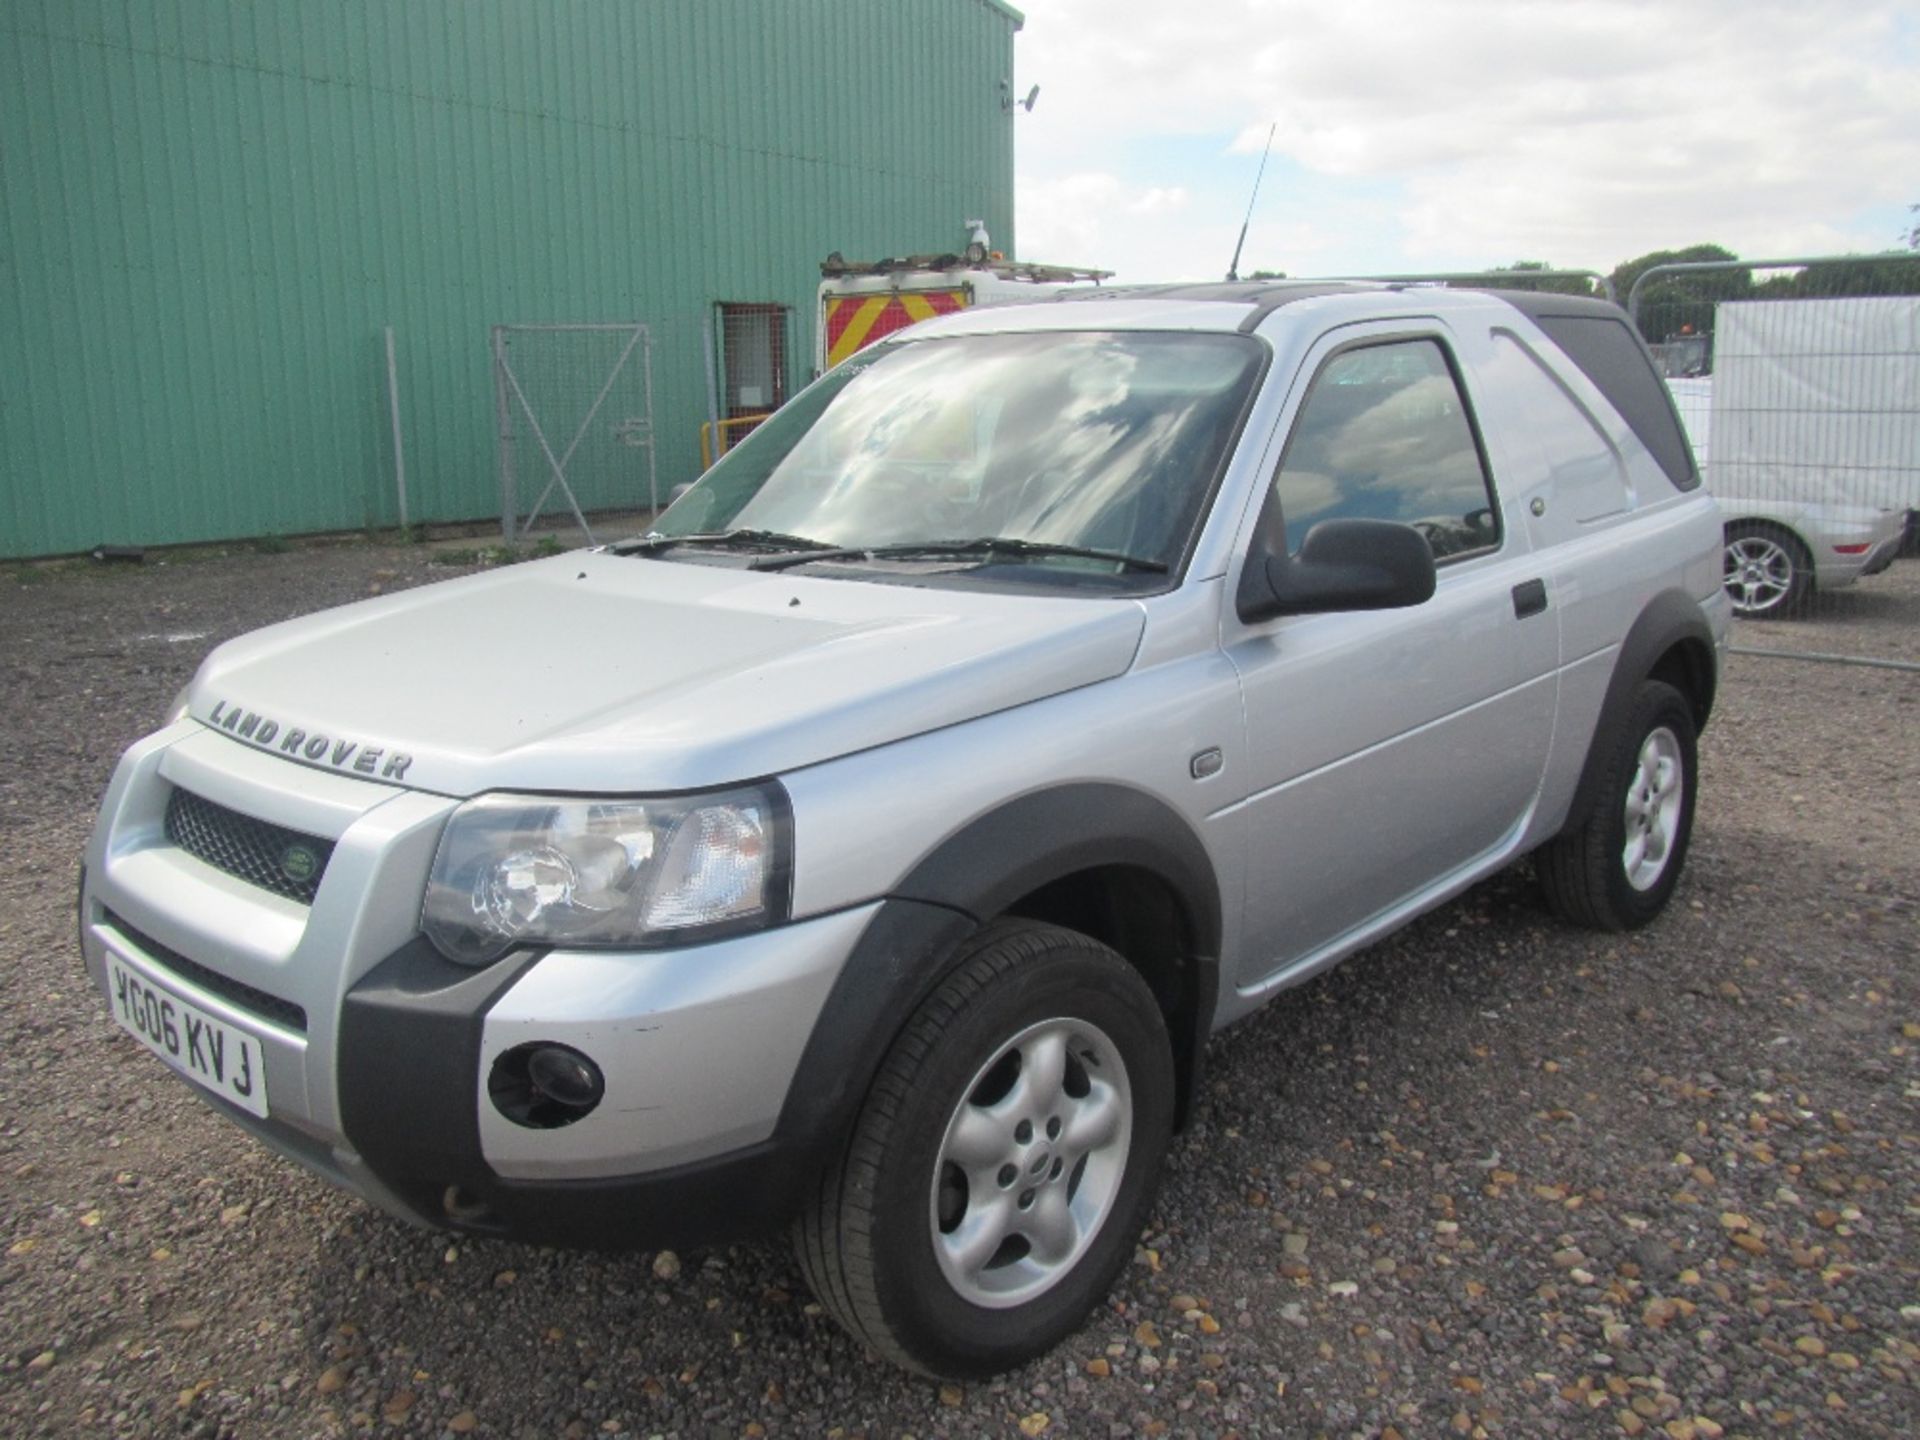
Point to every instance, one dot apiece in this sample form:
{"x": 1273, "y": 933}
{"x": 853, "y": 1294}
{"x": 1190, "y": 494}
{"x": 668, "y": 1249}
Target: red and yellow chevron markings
{"x": 856, "y": 321}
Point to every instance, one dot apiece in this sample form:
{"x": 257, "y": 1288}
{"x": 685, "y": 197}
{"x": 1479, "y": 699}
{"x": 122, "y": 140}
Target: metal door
{"x": 753, "y": 365}
{"x": 1388, "y": 752}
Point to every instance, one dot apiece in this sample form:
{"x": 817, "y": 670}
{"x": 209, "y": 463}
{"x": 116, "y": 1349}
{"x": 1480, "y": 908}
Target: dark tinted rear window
{"x": 1609, "y": 355}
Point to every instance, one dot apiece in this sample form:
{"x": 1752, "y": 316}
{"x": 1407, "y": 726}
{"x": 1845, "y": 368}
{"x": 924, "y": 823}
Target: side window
{"x": 1383, "y": 435}
{"x": 1613, "y": 358}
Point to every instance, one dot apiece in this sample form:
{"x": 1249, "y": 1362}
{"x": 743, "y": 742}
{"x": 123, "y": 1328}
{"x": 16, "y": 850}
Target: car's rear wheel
{"x": 1617, "y": 869}
{"x": 1768, "y": 570}
{"x": 1000, "y": 1171}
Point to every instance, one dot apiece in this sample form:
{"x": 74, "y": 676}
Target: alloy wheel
{"x": 1031, "y": 1163}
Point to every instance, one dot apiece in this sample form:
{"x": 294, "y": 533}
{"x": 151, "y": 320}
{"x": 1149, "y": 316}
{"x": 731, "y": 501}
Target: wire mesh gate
{"x": 578, "y": 399}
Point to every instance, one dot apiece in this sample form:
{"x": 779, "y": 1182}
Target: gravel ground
{"x": 1493, "y": 1177}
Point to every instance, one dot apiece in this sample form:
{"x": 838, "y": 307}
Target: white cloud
{"x": 1063, "y": 218}
{"x": 1158, "y": 200}
{"x": 1582, "y": 132}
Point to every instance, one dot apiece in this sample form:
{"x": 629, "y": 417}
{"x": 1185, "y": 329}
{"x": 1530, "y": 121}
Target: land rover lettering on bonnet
{"x": 317, "y": 747}
{"x": 867, "y": 851}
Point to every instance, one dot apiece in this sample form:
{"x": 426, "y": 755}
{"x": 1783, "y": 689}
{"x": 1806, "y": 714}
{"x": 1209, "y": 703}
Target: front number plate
{"x": 205, "y": 1050}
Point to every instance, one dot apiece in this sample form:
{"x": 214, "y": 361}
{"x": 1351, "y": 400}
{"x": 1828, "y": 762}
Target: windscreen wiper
{"x": 988, "y": 546}
{"x": 745, "y": 538}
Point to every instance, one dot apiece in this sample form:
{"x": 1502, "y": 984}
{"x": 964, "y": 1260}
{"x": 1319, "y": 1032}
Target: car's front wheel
{"x": 1000, "y": 1171}
{"x": 1768, "y": 571}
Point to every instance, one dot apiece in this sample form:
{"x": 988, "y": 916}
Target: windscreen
{"x": 1108, "y": 441}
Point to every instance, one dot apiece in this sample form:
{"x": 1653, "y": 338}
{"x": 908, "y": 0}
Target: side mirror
{"x": 1342, "y": 565}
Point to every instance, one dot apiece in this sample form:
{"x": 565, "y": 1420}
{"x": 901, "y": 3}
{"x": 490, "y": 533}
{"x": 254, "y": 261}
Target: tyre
{"x": 1616, "y": 870}
{"x": 1000, "y": 1171}
{"x": 1768, "y": 571}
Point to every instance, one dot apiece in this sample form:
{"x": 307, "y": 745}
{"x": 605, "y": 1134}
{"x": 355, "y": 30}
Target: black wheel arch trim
{"x": 904, "y": 952}
{"x": 1672, "y": 623}
{"x": 1047, "y": 835}
{"x": 995, "y": 860}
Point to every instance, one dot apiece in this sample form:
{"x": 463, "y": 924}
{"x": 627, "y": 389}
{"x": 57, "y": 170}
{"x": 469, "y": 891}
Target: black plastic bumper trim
{"x": 409, "y": 1064}
{"x": 406, "y": 1064}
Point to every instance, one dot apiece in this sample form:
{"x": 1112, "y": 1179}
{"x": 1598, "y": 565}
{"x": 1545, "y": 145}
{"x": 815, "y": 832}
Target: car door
{"x": 1389, "y": 753}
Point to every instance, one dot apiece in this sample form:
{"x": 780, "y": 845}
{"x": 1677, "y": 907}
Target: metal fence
{"x": 1516, "y": 277}
{"x": 1799, "y": 383}
{"x": 574, "y": 406}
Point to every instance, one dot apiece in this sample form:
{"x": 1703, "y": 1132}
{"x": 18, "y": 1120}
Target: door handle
{"x": 1529, "y": 598}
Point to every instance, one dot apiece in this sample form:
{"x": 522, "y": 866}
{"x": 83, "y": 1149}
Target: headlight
{"x": 527, "y": 870}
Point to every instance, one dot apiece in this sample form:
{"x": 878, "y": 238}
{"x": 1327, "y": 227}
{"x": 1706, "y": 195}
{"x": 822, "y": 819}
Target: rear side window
{"x": 1611, "y": 357}
{"x": 1584, "y": 470}
{"x": 1384, "y": 435}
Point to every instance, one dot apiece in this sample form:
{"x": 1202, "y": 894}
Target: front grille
{"x": 284, "y": 861}
{"x": 247, "y": 997}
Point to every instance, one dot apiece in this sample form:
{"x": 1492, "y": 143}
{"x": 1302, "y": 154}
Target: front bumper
{"x": 699, "y": 1048}
{"x": 376, "y": 1049}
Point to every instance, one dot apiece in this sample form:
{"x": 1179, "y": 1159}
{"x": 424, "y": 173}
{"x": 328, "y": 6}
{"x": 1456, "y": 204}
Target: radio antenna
{"x": 1233, "y": 270}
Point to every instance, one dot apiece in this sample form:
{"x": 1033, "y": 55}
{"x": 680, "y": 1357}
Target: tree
{"x": 1556, "y": 286}
{"x": 1675, "y": 305}
{"x": 1897, "y": 276}
{"x": 1628, "y": 271}
{"x": 1671, "y": 304}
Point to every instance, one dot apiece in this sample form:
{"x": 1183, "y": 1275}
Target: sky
{"x": 1418, "y": 136}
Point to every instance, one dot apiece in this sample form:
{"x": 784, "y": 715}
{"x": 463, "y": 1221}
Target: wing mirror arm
{"x": 1341, "y": 565}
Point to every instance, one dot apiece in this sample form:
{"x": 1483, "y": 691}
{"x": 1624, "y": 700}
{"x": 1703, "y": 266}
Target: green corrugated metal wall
{"x": 209, "y": 210}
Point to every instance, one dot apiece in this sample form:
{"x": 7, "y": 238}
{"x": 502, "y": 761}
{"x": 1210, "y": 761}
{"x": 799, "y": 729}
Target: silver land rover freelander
{"x": 869, "y": 850}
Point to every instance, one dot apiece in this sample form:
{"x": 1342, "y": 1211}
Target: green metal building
{"x": 212, "y": 210}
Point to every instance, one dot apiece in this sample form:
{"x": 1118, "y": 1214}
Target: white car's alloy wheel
{"x": 1765, "y": 573}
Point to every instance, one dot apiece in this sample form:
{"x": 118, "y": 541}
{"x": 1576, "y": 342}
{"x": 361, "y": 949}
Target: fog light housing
{"x": 545, "y": 1085}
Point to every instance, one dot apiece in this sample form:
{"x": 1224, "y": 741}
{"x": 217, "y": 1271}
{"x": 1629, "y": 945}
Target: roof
{"x": 1241, "y": 305}
{"x": 1263, "y": 296}
{"x": 1001, "y": 7}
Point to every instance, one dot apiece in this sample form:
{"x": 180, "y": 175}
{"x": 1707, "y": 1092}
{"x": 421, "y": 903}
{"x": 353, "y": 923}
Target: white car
{"x": 1781, "y": 548}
